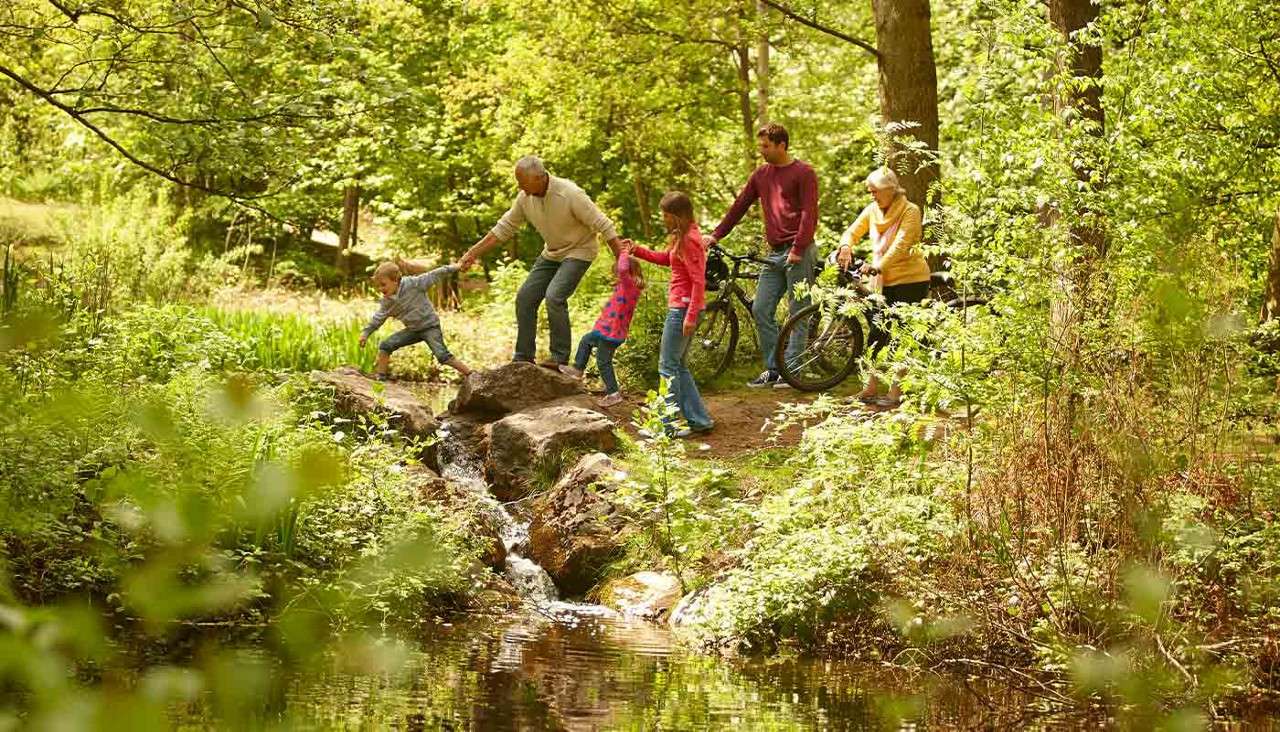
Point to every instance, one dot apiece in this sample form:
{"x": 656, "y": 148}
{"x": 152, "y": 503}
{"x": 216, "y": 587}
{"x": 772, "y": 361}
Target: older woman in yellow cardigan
{"x": 895, "y": 227}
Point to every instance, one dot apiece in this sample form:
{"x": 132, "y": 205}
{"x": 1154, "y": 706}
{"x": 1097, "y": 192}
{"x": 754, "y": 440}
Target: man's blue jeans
{"x": 604, "y": 349}
{"x": 554, "y": 282}
{"x": 776, "y": 279}
{"x": 681, "y": 390}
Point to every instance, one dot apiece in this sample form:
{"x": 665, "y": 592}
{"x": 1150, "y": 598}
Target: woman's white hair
{"x": 531, "y": 165}
{"x": 884, "y": 178}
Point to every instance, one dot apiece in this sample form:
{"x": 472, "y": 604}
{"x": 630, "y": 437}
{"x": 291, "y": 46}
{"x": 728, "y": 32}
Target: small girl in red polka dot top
{"x": 610, "y": 330}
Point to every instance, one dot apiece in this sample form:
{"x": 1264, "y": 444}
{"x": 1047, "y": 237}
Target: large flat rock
{"x": 511, "y": 388}
{"x": 358, "y": 395}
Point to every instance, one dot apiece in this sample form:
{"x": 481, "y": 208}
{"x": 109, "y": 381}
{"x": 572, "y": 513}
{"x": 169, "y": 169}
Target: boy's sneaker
{"x": 609, "y": 400}
{"x": 570, "y": 371}
{"x": 766, "y": 378}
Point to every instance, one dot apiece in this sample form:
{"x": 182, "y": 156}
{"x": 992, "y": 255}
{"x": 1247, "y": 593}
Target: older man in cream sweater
{"x": 568, "y": 221}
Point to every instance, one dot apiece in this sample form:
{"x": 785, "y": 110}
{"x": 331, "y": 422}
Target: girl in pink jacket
{"x": 610, "y": 330}
{"x": 685, "y": 298}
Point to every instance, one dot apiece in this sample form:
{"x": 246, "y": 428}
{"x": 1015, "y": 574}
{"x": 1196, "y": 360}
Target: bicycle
{"x": 710, "y": 351}
{"x": 836, "y": 338}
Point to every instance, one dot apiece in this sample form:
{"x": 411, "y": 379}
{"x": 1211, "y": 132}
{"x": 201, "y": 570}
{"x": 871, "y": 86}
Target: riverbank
{"x": 187, "y": 472}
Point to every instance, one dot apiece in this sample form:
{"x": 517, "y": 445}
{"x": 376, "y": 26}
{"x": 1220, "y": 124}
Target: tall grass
{"x": 290, "y": 342}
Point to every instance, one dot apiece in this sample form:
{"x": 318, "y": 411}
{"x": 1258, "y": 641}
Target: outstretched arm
{"x": 506, "y": 228}
{"x": 586, "y": 211}
{"x": 856, "y": 230}
{"x": 380, "y": 317}
{"x": 739, "y": 208}
{"x": 424, "y": 281}
{"x": 649, "y": 255}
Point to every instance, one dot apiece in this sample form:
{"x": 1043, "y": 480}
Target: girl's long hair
{"x": 677, "y": 204}
{"x": 633, "y": 265}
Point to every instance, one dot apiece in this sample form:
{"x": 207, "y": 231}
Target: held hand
{"x": 626, "y": 246}
{"x": 465, "y": 262}
{"x": 708, "y": 241}
{"x": 689, "y": 327}
{"x": 844, "y": 257}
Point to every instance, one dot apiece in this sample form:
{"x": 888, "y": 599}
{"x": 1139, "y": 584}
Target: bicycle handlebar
{"x": 738, "y": 257}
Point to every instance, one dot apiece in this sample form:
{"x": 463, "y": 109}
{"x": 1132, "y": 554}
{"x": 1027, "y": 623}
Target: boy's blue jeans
{"x": 604, "y": 358}
{"x": 778, "y": 278}
{"x": 433, "y": 337}
{"x": 680, "y": 387}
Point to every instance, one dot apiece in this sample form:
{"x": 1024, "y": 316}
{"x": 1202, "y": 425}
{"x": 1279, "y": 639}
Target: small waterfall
{"x": 460, "y": 465}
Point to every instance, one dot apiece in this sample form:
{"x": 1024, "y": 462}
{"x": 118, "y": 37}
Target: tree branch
{"x": 822, "y": 28}
{"x": 74, "y": 17}
{"x": 1275, "y": 72}
{"x": 78, "y": 116}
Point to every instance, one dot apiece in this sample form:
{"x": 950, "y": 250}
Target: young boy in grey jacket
{"x": 404, "y": 297}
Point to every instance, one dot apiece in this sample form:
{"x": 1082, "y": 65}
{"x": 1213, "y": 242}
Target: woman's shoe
{"x": 609, "y": 400}
{"x": 570, "y": 371}
{"x": 692, "y": 432}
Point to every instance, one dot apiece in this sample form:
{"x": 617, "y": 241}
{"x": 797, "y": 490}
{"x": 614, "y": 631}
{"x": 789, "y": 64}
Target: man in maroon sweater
{"x": 788, "y": 193}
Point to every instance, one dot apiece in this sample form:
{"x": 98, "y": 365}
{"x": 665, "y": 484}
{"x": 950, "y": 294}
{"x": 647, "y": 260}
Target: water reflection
{"x": 542, "y": 671}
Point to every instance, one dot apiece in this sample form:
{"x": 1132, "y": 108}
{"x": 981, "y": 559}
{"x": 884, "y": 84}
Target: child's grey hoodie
{"x": 410, "y": 305}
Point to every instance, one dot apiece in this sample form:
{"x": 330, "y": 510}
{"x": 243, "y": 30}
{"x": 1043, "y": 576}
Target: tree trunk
{"x": 1084, "y": 95}
{"x": 908, "y": 85}
{"x": 347, "y": 232}
{"x": 762, "y": 66}
{"x": 1271, "y": 296}
{"x": 641, "y": 192}
{"x": 742, "y": 55}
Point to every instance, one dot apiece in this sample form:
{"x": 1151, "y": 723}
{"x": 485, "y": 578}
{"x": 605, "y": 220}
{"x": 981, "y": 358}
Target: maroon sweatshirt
{"x": 788, "y": 196}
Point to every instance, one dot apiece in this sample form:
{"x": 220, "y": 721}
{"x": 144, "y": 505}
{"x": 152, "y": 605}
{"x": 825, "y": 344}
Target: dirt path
{"x": 740, "y": 416}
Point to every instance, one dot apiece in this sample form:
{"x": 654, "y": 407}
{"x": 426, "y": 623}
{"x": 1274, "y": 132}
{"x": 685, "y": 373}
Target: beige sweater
{"x": 566, "y": 218}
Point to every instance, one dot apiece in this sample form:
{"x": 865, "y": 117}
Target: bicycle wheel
{"x": 710, "y": 350}
{"x": 833, "y": 345}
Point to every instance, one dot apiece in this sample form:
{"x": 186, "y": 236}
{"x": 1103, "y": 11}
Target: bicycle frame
{"x": 731, "y": 290}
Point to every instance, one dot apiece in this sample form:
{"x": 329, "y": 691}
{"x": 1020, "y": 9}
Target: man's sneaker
{"x": 553, "y": 365}
{"x": 766, "y": 378}
{"x": 609, "y": 400}
{"x": 781, "y": 383}
{"x": 570, "y": 371}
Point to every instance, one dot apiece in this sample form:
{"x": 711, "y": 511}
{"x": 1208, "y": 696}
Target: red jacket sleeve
{"x": 694, "y": 258}
{"x": 648, "y": 255}
{"x": 808, "y": 214}
{"x": 739, "y": 208}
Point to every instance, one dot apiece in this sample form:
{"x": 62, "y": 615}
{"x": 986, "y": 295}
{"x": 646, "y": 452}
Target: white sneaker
{"x": 570, "y": 371}
{"x": 609, "y": 400}
{"x": 766, "y": 378}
